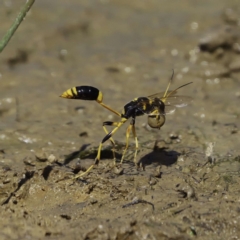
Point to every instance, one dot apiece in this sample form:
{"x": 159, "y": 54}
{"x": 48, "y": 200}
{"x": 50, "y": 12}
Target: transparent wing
{"x": 177, "y": 101}
{"x": 172, "y": 102}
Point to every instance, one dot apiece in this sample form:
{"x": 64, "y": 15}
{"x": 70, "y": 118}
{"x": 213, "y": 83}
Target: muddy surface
{"x": 187, "y": 185}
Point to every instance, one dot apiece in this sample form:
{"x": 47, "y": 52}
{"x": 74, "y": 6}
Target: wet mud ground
{"x": 188, "y": 184}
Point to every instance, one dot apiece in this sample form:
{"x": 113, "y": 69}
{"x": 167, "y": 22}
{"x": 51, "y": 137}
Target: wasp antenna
{"x": 170, "y": 81}
{"x": 174, "y": 91}
{"x": 172, "y": 74}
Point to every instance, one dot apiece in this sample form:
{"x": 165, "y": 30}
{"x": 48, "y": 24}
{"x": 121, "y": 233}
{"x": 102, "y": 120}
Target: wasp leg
{"x": 129, "y": 129}
{"x": 127, "y": 140}
{"x": 136, "y": 142}
{"x": 111, "y": 139}
{"x": 108, "y": 136}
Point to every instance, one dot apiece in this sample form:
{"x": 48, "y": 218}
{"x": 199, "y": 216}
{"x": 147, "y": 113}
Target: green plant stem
{"x": 6, "y": 38}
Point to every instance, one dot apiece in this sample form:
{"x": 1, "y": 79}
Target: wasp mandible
{"x": 154, "y": 106}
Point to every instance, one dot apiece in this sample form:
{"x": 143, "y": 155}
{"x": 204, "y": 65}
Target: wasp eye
{"x": 156, "y": 121}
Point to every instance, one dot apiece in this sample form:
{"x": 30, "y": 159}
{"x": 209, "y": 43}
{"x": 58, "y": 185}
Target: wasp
{"x": 155, "y": 106}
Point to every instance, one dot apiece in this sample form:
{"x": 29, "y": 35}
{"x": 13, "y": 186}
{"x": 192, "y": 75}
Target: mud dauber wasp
{"x": 155, "y": 106}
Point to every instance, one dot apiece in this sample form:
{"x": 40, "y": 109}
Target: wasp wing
{"x": 177, "y": 101}
{"x": 173, "y": 101}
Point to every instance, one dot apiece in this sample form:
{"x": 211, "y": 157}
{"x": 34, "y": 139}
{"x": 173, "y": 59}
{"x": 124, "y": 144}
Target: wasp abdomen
{"x": 83, "y": 93}
{"x": 86, "y": 92}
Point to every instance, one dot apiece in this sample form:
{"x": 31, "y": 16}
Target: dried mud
{"x": 187, "y": 185}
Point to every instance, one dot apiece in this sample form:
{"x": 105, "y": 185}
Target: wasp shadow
{"x": 76, "y": 154}
{"x": 161, "y": 157}
{"x": 158, "y": 156}
{"x": 85, "y": 153}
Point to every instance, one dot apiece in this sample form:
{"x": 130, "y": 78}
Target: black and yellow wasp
{"x": 155, "y": 107}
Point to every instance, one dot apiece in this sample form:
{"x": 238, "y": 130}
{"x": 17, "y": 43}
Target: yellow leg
{"x": 127, "y": 141}
{"x": 136, "y": 142}
{"x": 108, "y": 136}
{"x": 88, "y": 170}
{"x": 112, "y": 141}
{"x": 91, "y": 167}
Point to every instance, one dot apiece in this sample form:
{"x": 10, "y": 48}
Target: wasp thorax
{"x": 156, "y": 121}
